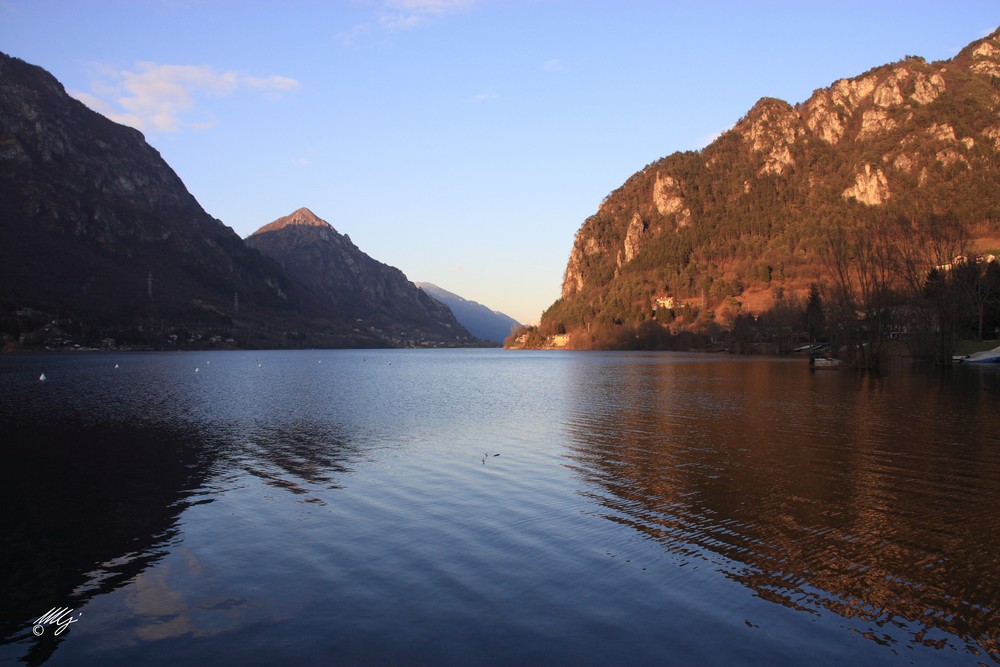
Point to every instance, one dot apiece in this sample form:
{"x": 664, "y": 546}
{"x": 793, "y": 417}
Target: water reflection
{"x": 281, "y": 511}
{"x": 870, "y": 498}
{"x": 295, "y": 457}
{"x": 86, "y": 509}
{"x": 102, "y": 459}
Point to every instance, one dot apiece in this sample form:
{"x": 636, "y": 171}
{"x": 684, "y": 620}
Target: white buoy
{"x": 42, "y": 377}
{"x": 196, "y": 370}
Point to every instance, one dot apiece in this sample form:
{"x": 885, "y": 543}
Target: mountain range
{"x": 339, "y": 278}
{"x": 697, "y": 239}
{"x": 101, "y": 243}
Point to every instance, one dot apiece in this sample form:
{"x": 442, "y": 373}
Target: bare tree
{"x": 979, "y": 280}
{"x": 865, "y": 264}
{"x": 932, "y": 254}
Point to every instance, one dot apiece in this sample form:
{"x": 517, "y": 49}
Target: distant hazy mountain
{"x": 481, "y": 321}
{"x": 343, "y": 280}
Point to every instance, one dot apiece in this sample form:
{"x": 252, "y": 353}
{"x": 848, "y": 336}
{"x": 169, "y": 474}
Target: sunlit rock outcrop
{"x": 726, "y": 229}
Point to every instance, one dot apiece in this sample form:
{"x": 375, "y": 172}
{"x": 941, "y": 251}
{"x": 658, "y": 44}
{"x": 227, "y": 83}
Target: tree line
{"x": 915, "y": 280}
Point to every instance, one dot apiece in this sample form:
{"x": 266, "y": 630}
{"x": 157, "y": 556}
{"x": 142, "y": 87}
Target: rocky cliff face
{"x": 723, "y": 227}
{"x": 348, "y": 284}
{"x": 94, "y": 223}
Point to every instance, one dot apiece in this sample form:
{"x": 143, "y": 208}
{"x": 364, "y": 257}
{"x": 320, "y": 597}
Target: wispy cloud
{"x": 553, "y": 65}
{"x": 162, "y": 98}
{"x": 388, "y": 16}
{"x": 408, "y": 14}
{"x": 306, "y": 160}
{"x": 354, "y": 37}
{"x": 479, "y": 98}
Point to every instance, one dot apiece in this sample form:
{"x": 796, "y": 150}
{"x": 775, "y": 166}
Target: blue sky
{"x": 462, "y": 141}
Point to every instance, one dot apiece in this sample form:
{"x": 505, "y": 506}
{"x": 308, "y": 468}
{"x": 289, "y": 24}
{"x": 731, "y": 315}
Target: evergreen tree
{"x": 815, "y": 317}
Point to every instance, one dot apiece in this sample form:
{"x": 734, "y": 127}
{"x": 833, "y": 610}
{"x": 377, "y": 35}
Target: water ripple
{"x": 478, "y": 507}
{"x": 867, "y": 505}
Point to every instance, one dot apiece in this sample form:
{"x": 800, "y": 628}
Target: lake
{"x": 487, "y": 507}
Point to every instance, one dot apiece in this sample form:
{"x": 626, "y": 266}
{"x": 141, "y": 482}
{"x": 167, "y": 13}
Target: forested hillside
{"x": 697, "y": 240}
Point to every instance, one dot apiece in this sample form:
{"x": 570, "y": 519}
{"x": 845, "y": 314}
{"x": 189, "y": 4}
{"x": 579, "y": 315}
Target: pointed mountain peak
{"x": 302, "y": 217}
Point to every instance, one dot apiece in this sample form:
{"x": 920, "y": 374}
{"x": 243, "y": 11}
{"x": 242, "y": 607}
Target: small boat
{"x": 817, "y": 362}
{"x": 985, "y": 357}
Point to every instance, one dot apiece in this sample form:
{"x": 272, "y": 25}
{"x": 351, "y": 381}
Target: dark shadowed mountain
{"x": 481, "y": 321}
{"x": 95, "y": 226}
{"x": 344, "y": 281}
{"x": 100, "y": 240}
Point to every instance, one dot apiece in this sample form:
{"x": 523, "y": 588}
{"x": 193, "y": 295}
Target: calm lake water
{"x": 476, "y": 507}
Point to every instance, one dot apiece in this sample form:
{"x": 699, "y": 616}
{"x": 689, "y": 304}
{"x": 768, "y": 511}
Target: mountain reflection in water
{"x": 100, "y": 462}
{"x": 493, "y": 508}
{"x": 86, "y": 508}
{"x": 877, "y": 501}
